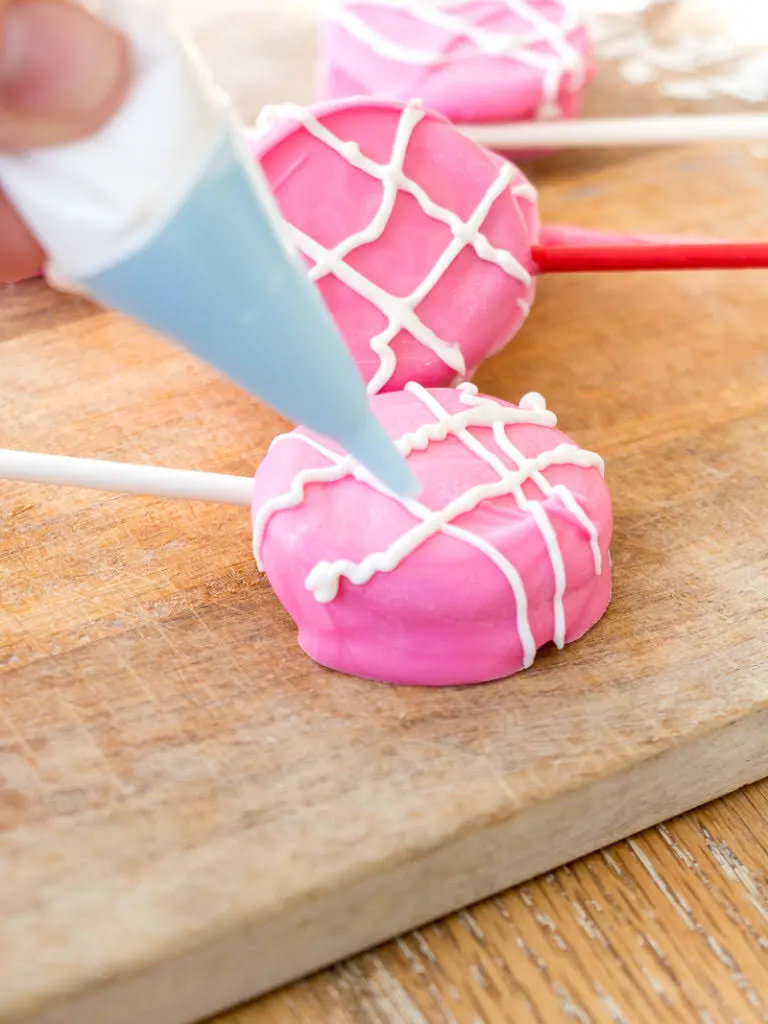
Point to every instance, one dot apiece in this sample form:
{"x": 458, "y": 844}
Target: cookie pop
{"x": 417, "y": 238}
{"x": 510, "y": 73}
{"x": 472, "y": 60}
{"x": 425, "y": 246}
{"x": 506, "y": 550}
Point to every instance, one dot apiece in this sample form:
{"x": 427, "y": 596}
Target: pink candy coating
{"x": 474, "y": 61}
{"x": 472, "y": 302}
{"x": 445, "y": 614}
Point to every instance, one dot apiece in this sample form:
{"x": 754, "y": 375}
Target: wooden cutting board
{"x": 192, "y": 812}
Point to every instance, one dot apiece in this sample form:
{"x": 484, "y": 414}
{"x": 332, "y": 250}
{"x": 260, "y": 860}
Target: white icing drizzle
{"x": 401, "y": 312}
{"x": 535, "y": 401}
{"x": 520, "y": 46}
{"x": 324, "y": 579}
{"x": 531, "y": 400}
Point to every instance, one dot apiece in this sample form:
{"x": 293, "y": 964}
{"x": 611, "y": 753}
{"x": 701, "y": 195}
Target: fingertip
{"x": 20, "y": 255}
{"x": 63, "y": 73}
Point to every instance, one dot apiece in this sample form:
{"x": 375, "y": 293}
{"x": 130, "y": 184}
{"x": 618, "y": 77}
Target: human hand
{"x": 63, "y": 74}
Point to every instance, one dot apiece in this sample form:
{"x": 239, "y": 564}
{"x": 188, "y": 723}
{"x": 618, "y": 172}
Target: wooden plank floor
{"x": 669, "y": 926}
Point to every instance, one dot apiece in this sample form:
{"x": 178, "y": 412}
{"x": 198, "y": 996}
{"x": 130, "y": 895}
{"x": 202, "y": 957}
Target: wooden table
{"x": 669, "y": 375}
{"x": 669, "y": 926}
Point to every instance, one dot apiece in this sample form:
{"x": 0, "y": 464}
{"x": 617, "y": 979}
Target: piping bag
{"x": 164, "y": 216}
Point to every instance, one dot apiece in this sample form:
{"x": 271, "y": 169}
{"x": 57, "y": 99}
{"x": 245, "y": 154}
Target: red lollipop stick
{"x": 582, "y": 259}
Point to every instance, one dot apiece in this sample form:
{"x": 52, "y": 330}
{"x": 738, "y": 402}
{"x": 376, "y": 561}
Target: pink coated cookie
{"x": 418, "y": 239}
{"x": 506, "y": 550}
{"x": 472, "y": 60}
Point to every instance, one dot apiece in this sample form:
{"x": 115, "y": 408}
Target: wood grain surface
{"x": 191, "y": 812}
{"x": 670, "y": 926}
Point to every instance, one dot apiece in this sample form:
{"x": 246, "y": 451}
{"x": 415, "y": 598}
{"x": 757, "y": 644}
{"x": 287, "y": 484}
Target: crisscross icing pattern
{"x": 454, "y": 18}
{"x": 324, "y": 578}
{"x": 401, "y": 312}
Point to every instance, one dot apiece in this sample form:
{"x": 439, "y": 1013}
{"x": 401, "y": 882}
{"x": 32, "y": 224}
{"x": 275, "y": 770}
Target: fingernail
{"x": 57, "y": 61}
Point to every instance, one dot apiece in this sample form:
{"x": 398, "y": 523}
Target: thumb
{"x": 63, "y": 73}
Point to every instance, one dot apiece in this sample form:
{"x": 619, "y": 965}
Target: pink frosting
{"x": 388, "y": 591}
{"x": 418, "y": 239}
{"x": 474, "y": 61}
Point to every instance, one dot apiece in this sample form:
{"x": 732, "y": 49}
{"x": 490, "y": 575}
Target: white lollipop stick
{"x": 125, "y": 477}
{"x": 620, "y": 131}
